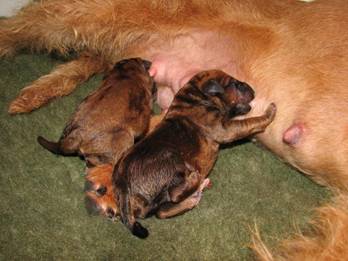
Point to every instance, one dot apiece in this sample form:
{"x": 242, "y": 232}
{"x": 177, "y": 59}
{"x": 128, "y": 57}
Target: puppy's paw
{"x": 194, "y": 199}
{"x": 271, "y": 111}
{"x": 206, "y": 184}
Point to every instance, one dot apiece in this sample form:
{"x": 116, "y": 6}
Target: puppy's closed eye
{"x": 212, "y": 87}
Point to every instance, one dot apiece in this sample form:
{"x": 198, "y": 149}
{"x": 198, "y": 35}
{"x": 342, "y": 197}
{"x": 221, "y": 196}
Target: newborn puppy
{"x": 166, "y": 171}
{"x": 108, "y": 121}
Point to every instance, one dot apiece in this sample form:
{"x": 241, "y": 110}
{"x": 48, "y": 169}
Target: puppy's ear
{"x": 212, "y": 87}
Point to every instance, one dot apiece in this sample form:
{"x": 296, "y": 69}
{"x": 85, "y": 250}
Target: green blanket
{"x": 43, "y": 216}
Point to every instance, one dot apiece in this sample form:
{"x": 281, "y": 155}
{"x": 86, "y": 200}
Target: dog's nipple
{"x": 293, "y": 134}
{"x": 152, "y": 71}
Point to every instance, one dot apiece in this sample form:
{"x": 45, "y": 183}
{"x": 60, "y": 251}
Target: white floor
{"x": 9, "y": 7}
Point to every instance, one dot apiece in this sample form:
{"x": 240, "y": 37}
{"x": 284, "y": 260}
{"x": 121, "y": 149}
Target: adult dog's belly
{"x": 306, "y": 131}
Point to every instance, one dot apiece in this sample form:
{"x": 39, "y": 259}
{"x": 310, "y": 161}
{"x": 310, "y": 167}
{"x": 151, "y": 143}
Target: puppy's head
{"x": 136, "y": 66}
{"x": 223, "y": 93}
{"x": 133, "y": 64}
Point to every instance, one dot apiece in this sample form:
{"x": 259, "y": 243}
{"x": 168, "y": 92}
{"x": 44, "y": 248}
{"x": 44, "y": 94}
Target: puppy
{"x": 110, "y": 119}
{"x": 166, "y": 171}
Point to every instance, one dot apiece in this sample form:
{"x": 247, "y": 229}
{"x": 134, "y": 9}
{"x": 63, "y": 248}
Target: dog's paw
{"x": 194, "y": 199}
{"x": 206, "y": 184}
{"x": 271, "y": 111}
{"x": 28, "y": 100}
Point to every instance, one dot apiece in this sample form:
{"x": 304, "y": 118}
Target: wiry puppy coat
{"x": 164, "y": 169}
{"x": 108, "y": 121}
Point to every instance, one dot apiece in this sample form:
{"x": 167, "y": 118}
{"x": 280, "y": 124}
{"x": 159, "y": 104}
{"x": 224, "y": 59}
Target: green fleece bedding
{"x": 43, "y": 216}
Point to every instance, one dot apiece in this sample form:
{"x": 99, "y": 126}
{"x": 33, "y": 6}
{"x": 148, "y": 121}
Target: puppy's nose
{"x": 239, "y": 109}
{"x": 243, "y": 108}
{"x": 147, "y": 64}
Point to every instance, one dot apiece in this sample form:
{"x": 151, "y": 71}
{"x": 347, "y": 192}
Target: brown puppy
{"x": 110, "y": 119}
{"x": 162, "y": 172}
{"x": 293, "y": 53}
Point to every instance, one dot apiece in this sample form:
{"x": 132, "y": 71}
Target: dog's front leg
{"x": 60, "y": 82}
{"x": 238, "y": 129}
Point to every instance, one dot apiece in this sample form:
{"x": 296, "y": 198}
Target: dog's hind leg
{"x": 60, "y": 82}
{"x": 170, "y": 209}
{"x": 189, "y": 184}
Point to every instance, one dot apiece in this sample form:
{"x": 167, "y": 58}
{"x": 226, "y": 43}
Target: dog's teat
{"x": 293, "y": 134}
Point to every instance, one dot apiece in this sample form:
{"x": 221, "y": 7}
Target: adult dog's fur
{"x": 291, "y": 52}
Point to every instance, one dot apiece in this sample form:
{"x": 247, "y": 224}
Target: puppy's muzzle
{"x": 246, "y": 94}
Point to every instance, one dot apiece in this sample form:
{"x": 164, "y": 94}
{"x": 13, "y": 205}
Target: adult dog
{"x": 293, "y": 53}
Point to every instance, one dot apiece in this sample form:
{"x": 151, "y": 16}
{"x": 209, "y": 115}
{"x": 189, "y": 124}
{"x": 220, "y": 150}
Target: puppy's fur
{"x": 109, "y": 120}
{"x": 159, "y": 173}
{"x": 284, "y": 49}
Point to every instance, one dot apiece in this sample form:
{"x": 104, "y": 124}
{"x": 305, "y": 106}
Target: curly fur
{"x": 327, "y": 241}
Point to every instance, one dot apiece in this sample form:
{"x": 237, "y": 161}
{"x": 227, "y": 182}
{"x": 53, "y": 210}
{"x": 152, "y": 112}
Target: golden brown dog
{"x": 166, "y": 172}
{"x": 291, "y": 52}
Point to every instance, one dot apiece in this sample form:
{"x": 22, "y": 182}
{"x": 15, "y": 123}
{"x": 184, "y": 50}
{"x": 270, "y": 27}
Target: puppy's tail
{"x": 128, "y": 218}
{"x": 53, "y": 147}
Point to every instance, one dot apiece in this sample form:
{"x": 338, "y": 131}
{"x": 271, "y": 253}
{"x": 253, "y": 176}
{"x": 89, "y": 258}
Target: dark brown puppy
{"x": 166, "y": 171}
{"x": 108, "y": 121}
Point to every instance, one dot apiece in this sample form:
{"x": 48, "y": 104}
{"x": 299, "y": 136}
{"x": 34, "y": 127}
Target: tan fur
{"x": 284, "y": 49}
{"x": 61, "y": 81}
{"x": 327, "y": 241}
{"x": 100, "y": 177}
